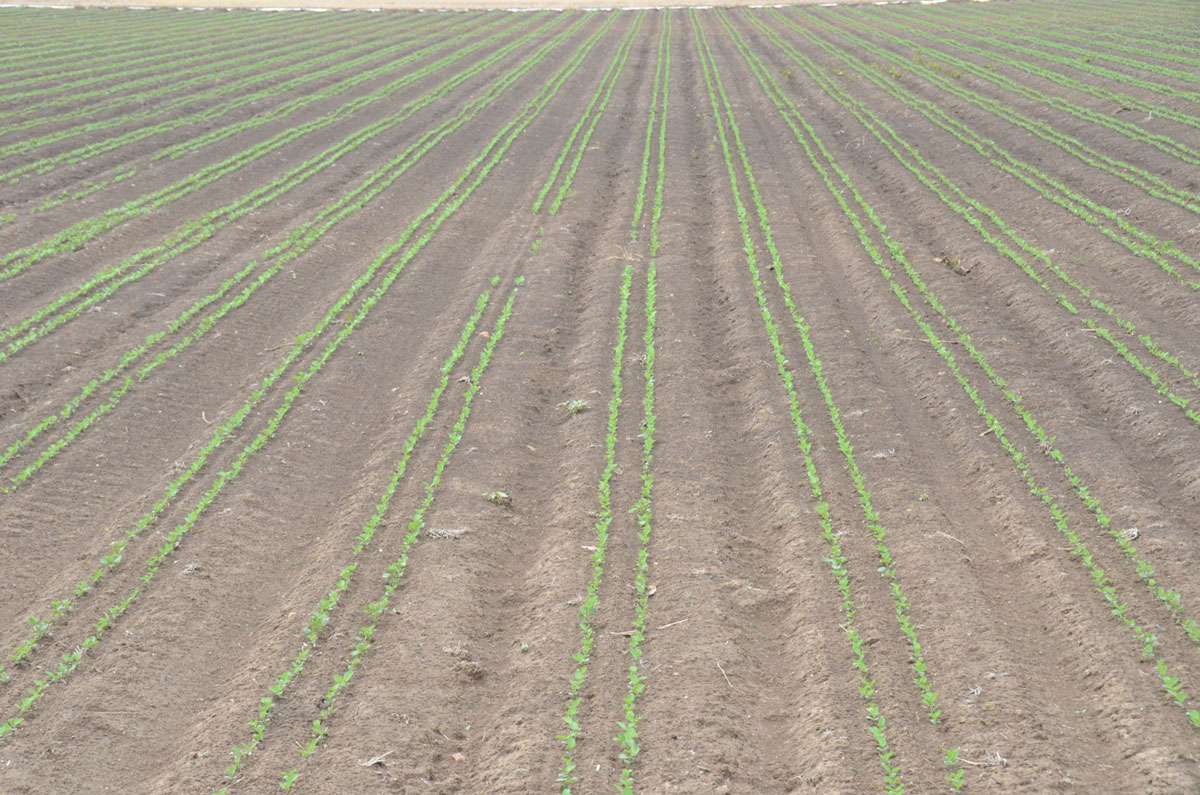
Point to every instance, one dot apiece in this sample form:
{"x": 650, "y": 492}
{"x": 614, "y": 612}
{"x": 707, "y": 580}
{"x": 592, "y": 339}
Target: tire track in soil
{"x": 177, "y": 403}
{"x": 1153, "y": 767}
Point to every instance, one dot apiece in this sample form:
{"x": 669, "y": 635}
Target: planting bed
{"x": 677, "y": 401}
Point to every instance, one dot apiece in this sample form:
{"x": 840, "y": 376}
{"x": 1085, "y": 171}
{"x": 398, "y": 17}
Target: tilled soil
{"x": 811, "y": 390}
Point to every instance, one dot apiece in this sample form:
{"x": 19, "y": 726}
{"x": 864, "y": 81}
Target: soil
{"x": 465, "y": 676}
{"x": 395, "y": 5}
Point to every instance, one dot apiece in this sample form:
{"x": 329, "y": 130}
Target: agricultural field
{"x": 745, "y": 400}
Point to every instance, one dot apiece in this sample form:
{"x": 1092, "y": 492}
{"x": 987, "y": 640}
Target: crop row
{"x": 136, "y": 72}
{"x": 1144, "y": 45}
{"x": 1050, "y": 189}
{"x": 161, "y": 54}
{"x": 838, "y": 564}
{"x": 193, "y": 233}
{"x": 1106, "y": 13}
{"x": 619, "y": 65}
{"x": 102, "y": 146}
{"x": 1029, "y": 65}
{"x": 432, "y": 39}
{"x": 1148, "y": 22}
{"x": 1082, "y": 56}
{"x": 77, "y": 234}
{"x": 254, "y": 64}
{"x": 365, "y": 636}
{"x": 1158, "y": 251}
{"x": 1019, "y": 30}
{"x": 812, "y": 144}
{"x": 70, "y": 661}
{"x": 151, "y": 63}
{"x": 591, "y": 600}
{"x": 301, "y": 241}
{"x": 844, "y": 191}
{"x": 887, "y": 566}
{"x": 604, "y": 88}
{"x": 952, "y": 196}
{"x": 394, "y": 574}
{"x": 88, "y": 188}
{"x": 836, "y": 556}
{"x": 1123, "y": 100}
{"x": 323, "y": 612}
{"x": 433, "y": 217}
{"x": 415, "y": 237}
{"x": 297, "y": 242}
{"x": 39, "y": 40}
{"x": 643, "y": 509}
{"x": 1161, "y": 142}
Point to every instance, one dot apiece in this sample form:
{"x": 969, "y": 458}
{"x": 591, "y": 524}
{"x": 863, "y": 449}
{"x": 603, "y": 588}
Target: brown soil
{"x": 458, "y": 5}
{"x": 750, "y": 681}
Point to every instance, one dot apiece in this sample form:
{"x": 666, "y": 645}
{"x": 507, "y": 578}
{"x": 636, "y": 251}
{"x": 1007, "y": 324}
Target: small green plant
{"x": 394, "y": 573}
{"x": 835, "y": 557}
{"x": 594, "y": 110}
{"x": 500, "y": 498}
{"x": 325, "y": 607}
{"x": 875, "y": 246}
{"x": 573, "y": 407}
{"x": 955, "y": 777}
{"x": 950, "y": 194}
{"x": 398, "y": 254}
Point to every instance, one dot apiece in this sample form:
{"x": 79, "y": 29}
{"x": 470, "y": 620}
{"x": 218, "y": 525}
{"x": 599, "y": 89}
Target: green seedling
{"x": 724, "y": 117}
{"x": 844, "y": 191}
{"x": 573, "y": 407}
{"x": 500, "y": 498}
